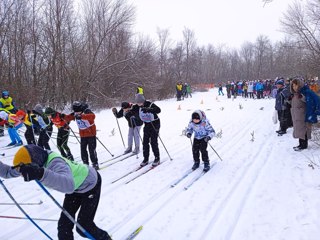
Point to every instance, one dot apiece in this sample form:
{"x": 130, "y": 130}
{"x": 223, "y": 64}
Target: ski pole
{"x": 66, "y": 212}
{"x": 101, "y": 142}
{"x": 74, "y": 135}
{"x": 25, "y": 203}
{"x": 215, "y": 151}
{"x": 24, "y": 218}
{"x": 161, "y": 141}
{"x": 104, "y": 146}
{"x": 120, "y": 132}
{"x": 21, "y": 209}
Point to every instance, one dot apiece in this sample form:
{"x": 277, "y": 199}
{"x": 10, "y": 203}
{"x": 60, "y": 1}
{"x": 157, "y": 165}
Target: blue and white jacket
{"x": 201, "y": 129}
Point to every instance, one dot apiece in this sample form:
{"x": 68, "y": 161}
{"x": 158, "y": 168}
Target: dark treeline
{"x": 52, "y": 53}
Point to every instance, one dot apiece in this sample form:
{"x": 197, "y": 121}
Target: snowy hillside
{"x": 261, "y": 190}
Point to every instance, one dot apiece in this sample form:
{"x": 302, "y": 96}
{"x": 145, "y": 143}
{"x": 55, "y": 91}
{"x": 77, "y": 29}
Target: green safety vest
{"x": 79, "y": 171}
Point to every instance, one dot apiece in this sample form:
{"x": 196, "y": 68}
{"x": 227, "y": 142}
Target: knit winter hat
{"x": 30, "y": 154}
{"x": 125, "y": 105}
{"x": 22, "y": 156}
{"x": 139, "y": 98}
{"x": 20, "y": 113}
{"x": 49, "y": 111}
{"x": 280, "y": 82}
{"x": 38, "y": 109}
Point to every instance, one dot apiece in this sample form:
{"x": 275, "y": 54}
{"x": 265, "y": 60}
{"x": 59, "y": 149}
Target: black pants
{"x": 150, "y": 135}
{"x": 44, "y": 138}
{"x": 88, "y": 203}
{"x": 91, "y": 143}
{"x": 62, "y": 142}
{"x": 285, "y": 119}
{"x": 29, "y": 135}
{"x": 200, "y": 145}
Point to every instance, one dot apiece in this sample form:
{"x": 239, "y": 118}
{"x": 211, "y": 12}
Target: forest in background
{"x": 54, "y": 53}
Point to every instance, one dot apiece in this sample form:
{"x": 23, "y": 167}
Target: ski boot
{"x": 206, "y": 167}
{"x": 20, "y": 143}
{"x": 128, "y": 150}
{"x": 136, "y": 150}
{"x": 11, "y": 144}
{"x": 195, "y": 165}
{"x": 144, "y": 162}
{"x": 156, "y": 162}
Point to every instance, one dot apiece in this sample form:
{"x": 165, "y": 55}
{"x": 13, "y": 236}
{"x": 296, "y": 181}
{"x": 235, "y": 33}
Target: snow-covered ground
{"x": 261, "y": 190}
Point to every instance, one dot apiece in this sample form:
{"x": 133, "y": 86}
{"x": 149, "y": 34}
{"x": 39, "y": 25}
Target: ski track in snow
{"x": 225, "y": 203}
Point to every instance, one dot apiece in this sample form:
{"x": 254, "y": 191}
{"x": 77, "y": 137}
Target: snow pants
{"x": 150, "y": 135}
{"x": 88, "y": 203}
{"x": 91, "y": 143}
{"x": 13, "y": 134}
{"x": 134, "y": 134}
{"x": 200, "y": 145}
{"x": 62, "y": 143}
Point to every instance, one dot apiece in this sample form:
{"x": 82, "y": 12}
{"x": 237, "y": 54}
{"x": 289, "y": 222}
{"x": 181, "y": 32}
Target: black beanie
{"x": 125, "y": 105}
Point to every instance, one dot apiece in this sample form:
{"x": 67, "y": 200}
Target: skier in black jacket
{"x": 131, "y": 114}
{"x": 148, "y": 113}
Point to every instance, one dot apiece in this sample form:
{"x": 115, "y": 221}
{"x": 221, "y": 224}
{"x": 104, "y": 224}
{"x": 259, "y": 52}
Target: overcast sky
{"x": 230, "y": 22}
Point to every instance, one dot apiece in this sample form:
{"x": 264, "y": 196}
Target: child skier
{"x": 84, "y": 118}
{"x": 58, "y": 120}
{"x": 13, "y": 123}
{"x": 148, "y": 113}
{"x": 46, "y": 127}
{"x": 80, "y": 183}
{"x": 131, "y": 113}
{"x": 203, "y": 132}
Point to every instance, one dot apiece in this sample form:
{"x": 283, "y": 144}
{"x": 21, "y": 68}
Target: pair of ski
{"x": 126, "y": 155}
{"x": 192, "y": 181}
{"x": 135, "y": 170}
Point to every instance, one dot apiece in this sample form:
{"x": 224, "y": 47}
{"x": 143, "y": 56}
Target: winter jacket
{"x": 312, "y": 104}
{"x": 58, "y": 120}
{"x": 7, "y": 104}
{"x": 298, "y": 113}
{"x": 60, "y": 174}
{"x": 201, "y": 130}
{"x": 148, "y": 112}
{"x": 132, "y": 116}
{"x": 282, "y": 99}
{"x": 86, "y": 125}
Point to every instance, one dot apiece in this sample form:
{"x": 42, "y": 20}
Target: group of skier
{"x": 81, "y": 183}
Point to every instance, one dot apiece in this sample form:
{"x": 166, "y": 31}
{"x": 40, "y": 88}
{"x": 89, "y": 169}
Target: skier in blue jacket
{"x": 203, "y": 133}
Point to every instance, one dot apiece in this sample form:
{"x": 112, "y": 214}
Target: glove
{"x": 62, "y": 115}
{"x": 114, "y": 111}
{"x": 29, "y": 112}
{"x": 78, "y": 116}
{"x": 31, "y": 172}
{"x": 189, "y": 135}
{"x": 207, "y": 139}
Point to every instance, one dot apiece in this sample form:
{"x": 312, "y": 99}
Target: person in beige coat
{"x": 304, "y": 109}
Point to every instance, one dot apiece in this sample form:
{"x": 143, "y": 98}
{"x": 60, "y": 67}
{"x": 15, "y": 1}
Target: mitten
{"x": 207, "y": 139}
{"x": 189, "y": 135}
{"x": 31, "y": 172}
{"x": 114, "y": 111}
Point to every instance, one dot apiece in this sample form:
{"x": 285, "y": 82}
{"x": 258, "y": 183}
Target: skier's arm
{"x": 58, "y": 176}
{"x": 7, "y": 172}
